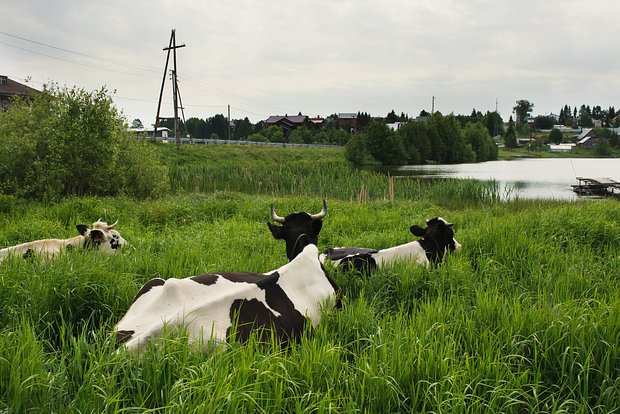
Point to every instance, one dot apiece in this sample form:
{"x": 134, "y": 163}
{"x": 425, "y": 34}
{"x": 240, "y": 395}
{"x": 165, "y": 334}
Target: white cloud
{"x": 325, "y": 56}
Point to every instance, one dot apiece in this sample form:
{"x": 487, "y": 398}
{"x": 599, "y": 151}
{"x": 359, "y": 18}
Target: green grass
{"x": 526, "y": 318}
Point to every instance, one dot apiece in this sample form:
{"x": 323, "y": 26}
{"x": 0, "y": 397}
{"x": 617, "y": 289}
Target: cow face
{"x": 437, "y": 238}
{"x": 102, "y": 237}
{"x": 296, "y": 225}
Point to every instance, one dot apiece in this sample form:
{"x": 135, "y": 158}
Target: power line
{"x": 115, "y": 62}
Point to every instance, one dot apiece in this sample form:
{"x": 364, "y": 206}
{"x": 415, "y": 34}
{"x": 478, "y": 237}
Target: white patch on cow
{"x": 109, "y": 241}
{"x": 204, "y": 310}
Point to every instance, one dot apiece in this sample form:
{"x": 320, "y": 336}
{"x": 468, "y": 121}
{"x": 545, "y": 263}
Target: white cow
{"x": 101, "y": 237}
{"x": 224, "y": 305}
{"x": 437, "y": 240}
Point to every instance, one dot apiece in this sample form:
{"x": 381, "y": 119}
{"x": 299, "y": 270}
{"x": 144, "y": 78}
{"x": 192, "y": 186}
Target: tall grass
{"x": 307, "y": 171}
{"x": 526, "y": 318}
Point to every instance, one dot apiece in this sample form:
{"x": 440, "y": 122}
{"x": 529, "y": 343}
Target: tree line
{"x": 439, "y": 139}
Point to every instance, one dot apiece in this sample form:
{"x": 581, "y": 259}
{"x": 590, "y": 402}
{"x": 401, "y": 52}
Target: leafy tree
{"x": 243, "y": 128}
{"x": 416, "y": 142}
{"x": 391, "y": 117}
{"x": 273, "y": 134}
{"x": 196, "y": 127}
{"x": 511, "y": 135}
{"x": 355, "y": 150}
{"x": 363, "y": 119}
{"x": 447, "y": 142}
{"x": 72, "y": 142}
{"x": 494, "y": 123}
{"x": 543, "y": 122}
{"x": 522, "y": 109}
{"x": 383, "y": 144}
{"x": 136, "y": 123}
{"x": 217, "y": 124}
{"x": 480, "y": 141}
{"x": 556, "y": 136}
{"x": 602, "y": 147}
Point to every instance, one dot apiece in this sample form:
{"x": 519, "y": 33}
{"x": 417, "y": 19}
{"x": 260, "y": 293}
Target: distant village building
{"x": 286, "y": 122}
{"x": 162, "y": 132}
{"x": 587, "y": 139}
{"x": 9, "y": 89}
{"x": 347, "y": 120}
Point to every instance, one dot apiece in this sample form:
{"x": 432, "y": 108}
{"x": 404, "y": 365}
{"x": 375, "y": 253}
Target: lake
{"x": 525, "y": 177}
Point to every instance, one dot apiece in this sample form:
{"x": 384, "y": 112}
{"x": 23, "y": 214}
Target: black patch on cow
{"x": 28, "y": 254}
{"x": 261, "y": 280}
{"x": 362, "y": 262}
{"x": 336, "y": 253}
{"x": 148, "y": 286}
{"x": 252, "y": 315}
{"x": 123, "y": 336}
{"x": 207, "y": 279}
{"x": 82, "y": 229}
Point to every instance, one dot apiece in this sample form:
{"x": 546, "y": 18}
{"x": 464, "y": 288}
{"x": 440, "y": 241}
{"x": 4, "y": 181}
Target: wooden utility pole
{"x": 172, "y": 46}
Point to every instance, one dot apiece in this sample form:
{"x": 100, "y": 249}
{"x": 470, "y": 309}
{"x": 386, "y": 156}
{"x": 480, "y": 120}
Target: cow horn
{"x": 322, "y": 213}
{"x": 111, "y": 226}
{"x": 275, "y": 217}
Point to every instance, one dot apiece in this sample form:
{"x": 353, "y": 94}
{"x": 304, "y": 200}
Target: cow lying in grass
{"x": 216, "y": 307}
{"x": 437, "y": 239}
{"x": 101, "y": 237}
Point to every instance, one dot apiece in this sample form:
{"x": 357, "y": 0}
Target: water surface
{"x": 525, "y": 178}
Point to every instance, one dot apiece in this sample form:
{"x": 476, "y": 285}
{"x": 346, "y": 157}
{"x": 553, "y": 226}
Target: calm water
{"x": 527, "y": 178}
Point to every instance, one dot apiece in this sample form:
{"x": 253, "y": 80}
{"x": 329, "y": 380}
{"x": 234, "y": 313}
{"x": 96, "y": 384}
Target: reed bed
{"x": 526, "y": 318}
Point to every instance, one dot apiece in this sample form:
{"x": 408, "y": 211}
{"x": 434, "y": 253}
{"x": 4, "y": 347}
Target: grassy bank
{"x": 526, "y": 318}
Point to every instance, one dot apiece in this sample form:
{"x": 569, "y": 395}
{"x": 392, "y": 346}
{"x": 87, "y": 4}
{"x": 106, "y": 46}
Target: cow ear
{"x": 417, "y": 231}
{"x": 82, "y": 229}
{"x": 275, "y": 230}
{"x": 97, "y": 235}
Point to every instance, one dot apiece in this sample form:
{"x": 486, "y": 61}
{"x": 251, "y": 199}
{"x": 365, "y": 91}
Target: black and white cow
{"x": 101, "y": 237}
{"x": 217, "y": 307}
{"x": 437, "y": 239}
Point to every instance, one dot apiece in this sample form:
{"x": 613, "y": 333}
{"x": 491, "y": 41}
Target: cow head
{"x": 437, "y": 238}
{"x": 294, "y": 227}
{"x": 102, "y": 236}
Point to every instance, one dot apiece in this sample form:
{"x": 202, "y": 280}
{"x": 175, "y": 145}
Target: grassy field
{"x": 526, "y": 318}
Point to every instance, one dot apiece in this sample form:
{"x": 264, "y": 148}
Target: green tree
{"x": 355, "y": 150}
{"x": 543, "y": 122}
{"x": 273, "y": 134}
{"x": 416, "y": 142}
{"x": 510, "y": 140}
{"x": 72, "y": 142}
{"x": 480, "y": 141}
{"x": 383, "y": 144}
{"x": 522, "y": 109}
{"x": 556, "y": 136}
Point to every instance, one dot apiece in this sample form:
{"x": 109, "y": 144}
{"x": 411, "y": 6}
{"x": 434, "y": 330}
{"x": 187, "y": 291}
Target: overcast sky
{"x": 319, "y": 57}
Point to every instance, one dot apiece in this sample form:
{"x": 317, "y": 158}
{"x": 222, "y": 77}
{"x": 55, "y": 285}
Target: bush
{"x": 71, "y": 142}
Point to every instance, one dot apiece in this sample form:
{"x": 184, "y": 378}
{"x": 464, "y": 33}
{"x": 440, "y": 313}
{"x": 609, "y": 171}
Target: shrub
{"x": 71, "y": 142}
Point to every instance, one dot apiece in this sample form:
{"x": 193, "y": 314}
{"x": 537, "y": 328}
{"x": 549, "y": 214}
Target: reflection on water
{"x": 524, "y": 178}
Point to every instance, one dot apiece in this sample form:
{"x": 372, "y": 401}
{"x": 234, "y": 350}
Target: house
{"x": 317, "y": 123}
{"x": 587, "y": 139}
{"x": 9, "y": 89}
{"x": 395, "y": 126}
{"x": 347, "y": 121}
{"x": 162, "y": 132}
{"x": 561, "y": 147}
{"x": 286, "y": 122}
